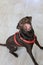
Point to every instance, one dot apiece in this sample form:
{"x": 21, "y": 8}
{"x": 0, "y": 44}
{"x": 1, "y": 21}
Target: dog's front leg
{"x": 32, "y": 57}
{"x": 37, "y": 43}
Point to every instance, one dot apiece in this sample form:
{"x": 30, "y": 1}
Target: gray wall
{"x": 11, "y": 11}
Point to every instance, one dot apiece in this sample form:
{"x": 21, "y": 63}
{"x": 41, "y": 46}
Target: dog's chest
{"x": 20, "y": 41}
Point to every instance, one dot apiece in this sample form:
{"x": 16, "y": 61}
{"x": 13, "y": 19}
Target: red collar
{"x": 15, "y": 39}
{"x": 26, "y": 41}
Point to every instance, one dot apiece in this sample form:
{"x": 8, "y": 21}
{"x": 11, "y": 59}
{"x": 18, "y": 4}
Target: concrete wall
{"x": 11, "y": 11}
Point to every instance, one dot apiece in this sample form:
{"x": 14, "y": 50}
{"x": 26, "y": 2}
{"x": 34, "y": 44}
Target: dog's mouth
{"x": 27, "y": 27}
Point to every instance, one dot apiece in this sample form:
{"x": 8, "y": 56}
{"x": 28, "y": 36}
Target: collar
{"x": 26, "y": 41}
{"x": 16, "y": 40}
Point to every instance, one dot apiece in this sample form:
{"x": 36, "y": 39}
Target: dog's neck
{"x": 27, "y": 35}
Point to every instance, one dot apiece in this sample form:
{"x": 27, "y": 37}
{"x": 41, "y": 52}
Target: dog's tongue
{"x": 27, "y": 27}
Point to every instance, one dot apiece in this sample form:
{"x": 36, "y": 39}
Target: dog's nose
{"x": 27, "y": 27}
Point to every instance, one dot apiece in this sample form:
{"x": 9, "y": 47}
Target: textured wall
{"x": 11, "y": 11}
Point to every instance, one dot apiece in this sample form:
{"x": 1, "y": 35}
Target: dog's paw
{"x": 41, "y": 48}
{"x": 16, "y": 55}
{"x": 36, "y": 64}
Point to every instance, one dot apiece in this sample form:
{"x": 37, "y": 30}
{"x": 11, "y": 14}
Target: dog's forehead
{"x": 25, "y": 19}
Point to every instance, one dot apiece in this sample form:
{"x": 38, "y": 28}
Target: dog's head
{"x": 25, "y": 23}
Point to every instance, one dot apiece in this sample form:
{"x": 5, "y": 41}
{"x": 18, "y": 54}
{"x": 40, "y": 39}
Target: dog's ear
{"x": 19, "y": 25}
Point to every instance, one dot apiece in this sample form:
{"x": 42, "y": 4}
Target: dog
{"x": 25, "y": 37}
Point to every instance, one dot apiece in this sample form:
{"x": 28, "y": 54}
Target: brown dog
{"x": 25, "y": 37}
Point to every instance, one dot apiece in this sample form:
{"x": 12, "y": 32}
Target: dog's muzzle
{"x": 27, "y": 27}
